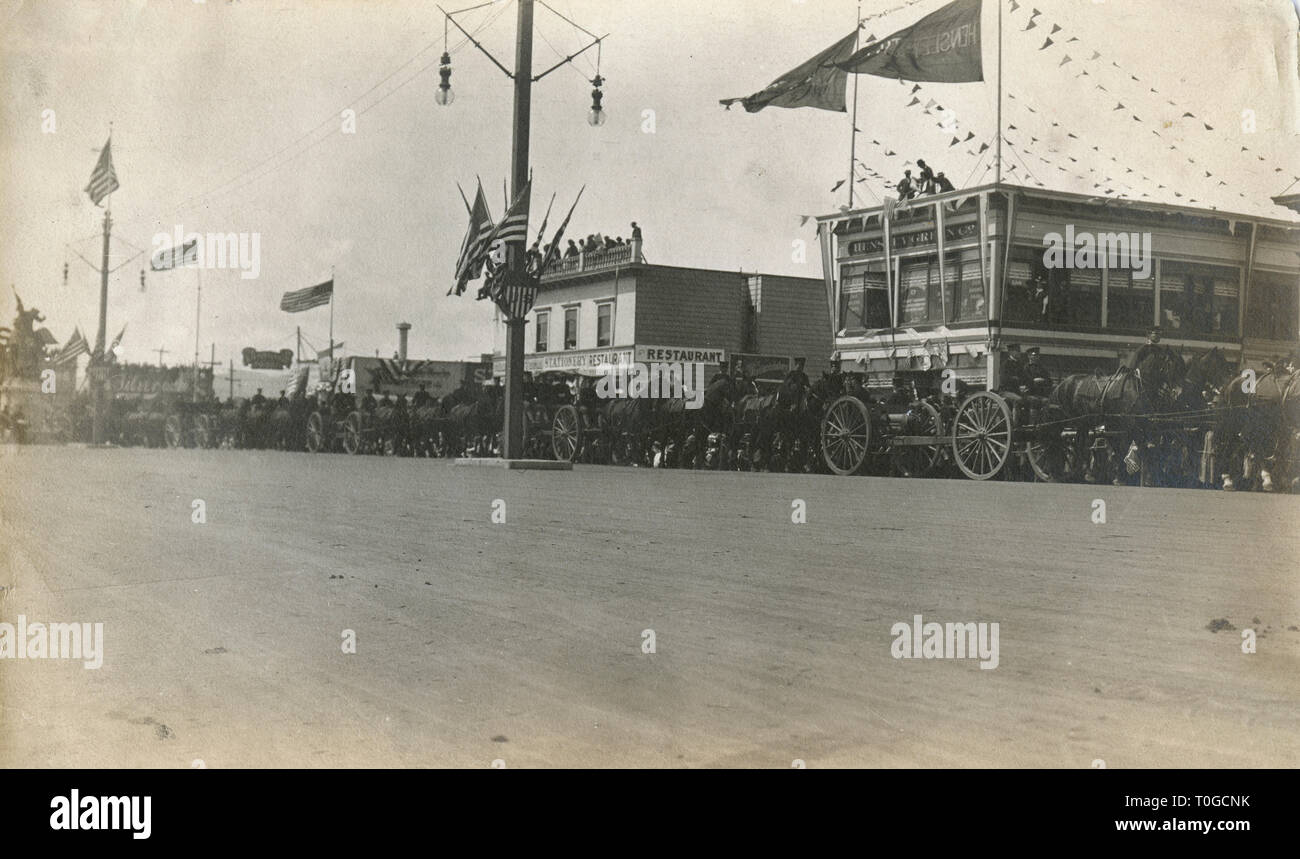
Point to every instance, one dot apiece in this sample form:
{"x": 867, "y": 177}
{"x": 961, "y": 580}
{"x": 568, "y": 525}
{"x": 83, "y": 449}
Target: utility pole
{"x": 161, "y": 352}
{"x": 98, "y": 363}
{"x": 512, "y": 442}
{"x": 231, "y": 395}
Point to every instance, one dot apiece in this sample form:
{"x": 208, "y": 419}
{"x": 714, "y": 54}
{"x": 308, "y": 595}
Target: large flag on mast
{"x": 944, "y": 46}
{"x": 306, "y": 299}
{"x": 553, "y": 250}
{"x": 103, "y": 179}
{"x": 75, "y": 346}
{"x": 816, "y": 83}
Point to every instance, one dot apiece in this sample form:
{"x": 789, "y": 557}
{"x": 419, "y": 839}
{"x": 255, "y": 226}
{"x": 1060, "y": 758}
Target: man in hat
{"x": 942, "y": 183}
{"x": 797, "y": 375}
{"x": 906, "y": 186}
{"x": 1147, "y": 349}
{"x": 422, "y": 397}
{"x": 1015, "y": 376}
{"x": 258, "y": 399}
{"x": 1040, "y": 381}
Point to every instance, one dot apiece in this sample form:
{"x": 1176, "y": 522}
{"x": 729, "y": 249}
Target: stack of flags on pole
{"x": 485, "y": 249}
{"x": 75, "y": 346}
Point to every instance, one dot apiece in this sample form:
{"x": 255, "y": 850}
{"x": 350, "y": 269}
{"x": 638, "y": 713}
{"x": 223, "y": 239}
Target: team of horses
{"x": 1160, "y": 420}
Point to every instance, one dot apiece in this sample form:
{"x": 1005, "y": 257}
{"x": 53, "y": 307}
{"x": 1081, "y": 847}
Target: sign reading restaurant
{"x": 680, "y": 355}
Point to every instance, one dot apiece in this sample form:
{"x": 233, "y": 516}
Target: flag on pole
{"x": 175, "y": 257}
{"x": 75, "y": 346}
{"x": 553, "y": 254}
{"x": 117, "y": 341}
{"x": 306, "y": 299}
{"x": 943, "y": 46}
{"x": 815, "y": 83}
{"x": 475, "y": 244}
{"x": 103, "y": 179}
{"x": 513, "y": 228}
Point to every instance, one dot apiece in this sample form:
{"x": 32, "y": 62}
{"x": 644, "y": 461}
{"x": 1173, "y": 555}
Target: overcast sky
{"x": 226, "y": 118}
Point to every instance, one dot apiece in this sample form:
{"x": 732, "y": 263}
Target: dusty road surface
{"x": 524, "y": 641}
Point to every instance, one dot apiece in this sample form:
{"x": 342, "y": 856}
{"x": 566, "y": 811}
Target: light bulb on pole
{"x": 445, "y": 95}
{"x": 596, "y": 117}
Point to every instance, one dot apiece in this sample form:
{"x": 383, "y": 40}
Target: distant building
{"x": 612, "y": 307}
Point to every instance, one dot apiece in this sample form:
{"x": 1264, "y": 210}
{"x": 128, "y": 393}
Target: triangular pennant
{"x": 1031, "y": 26}
{"x": 1056, "y": 28}
{"x": 1047, "y": 44}
{"x": 1064, "y": 60}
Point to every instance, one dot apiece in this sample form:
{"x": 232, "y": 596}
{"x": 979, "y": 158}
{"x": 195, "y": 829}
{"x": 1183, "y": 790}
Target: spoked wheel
{"x": 981, "y": 435}
{"x": 846, "y": 435}
{"x": 920, "y": 460}
{"x": 352, "y": 434}
{"x": 315, "y": 433}
{"x": 173, "y": 432}
{"x": 566, "y": 433}
{"x": 1055, "y": 459}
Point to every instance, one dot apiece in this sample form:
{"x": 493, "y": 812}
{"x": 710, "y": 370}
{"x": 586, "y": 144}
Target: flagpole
{"x": 853, "y": 135}
{"x": 98, "y": 384}
{"x": 512, "y": 437}
{"x": 998, "y": 173}
{"x": 331, "y": 316}
{"x": 198, "y": 310}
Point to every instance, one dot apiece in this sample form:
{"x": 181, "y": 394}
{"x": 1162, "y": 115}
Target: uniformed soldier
{"x": 1040, "y": 381}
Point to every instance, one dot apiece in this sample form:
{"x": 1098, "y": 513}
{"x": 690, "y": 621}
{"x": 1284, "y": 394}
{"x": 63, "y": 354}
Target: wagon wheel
{"x": 846, "y": 435}
{"x": 566, "y": 433}
{"x": 1055, "y": 458}
{"x": 315, "y": 433}
{"x": 352, "y": 438}
{"x": 173, "y": 432}
{"x": 920, "y": 460}
{"x": 981, "y": 435}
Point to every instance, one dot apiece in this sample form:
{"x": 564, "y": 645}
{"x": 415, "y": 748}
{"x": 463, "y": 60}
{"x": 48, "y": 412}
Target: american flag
{"x": 513, "y": 229}
{"x": 306, "y": 299}
{"x": 553, "y": 252}
{"x": 474, "y": 248}
{"x": 174, "y": 257}
{"x": 103, "y": 179}
{"x": 75, "y": 346}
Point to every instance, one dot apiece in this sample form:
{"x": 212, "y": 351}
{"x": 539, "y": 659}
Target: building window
{"x": 1074, "y": 297}
{"x": 919, "y": 293}
{"x": 864, "y": 297}
{"x": 1130, "y": 302}
{"x": 964, "y": 286}
{"x": 1199, "y": 299}
{"x": 570, "y": 328}
{"x": 604, "y": 324}
{"x": 1027, "y": 298}
{"x": 1271, "y": 312}
{"x": 543, "y": 330}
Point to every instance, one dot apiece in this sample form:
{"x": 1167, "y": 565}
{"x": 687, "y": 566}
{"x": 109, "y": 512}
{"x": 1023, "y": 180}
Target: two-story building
{"x": 949, "y": 281}
{"x": 612, "y": 307}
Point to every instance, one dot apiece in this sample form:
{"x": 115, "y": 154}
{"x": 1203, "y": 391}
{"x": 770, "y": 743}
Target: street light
{"x": 596, "y": 117}
{"x": 445, "y": 95}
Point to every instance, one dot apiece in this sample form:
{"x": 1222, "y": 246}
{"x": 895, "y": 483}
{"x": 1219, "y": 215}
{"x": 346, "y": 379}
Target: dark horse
{"x": 1118, "y": 407}
{"x": 1255, "y": 438}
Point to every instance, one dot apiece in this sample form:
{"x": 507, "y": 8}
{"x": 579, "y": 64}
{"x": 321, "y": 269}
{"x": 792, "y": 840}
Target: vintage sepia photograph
{"x": 561, "y": 384}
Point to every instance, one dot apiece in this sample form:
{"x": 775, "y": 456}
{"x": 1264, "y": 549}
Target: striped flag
{"x": 514, "y": 292}
{"x": 306, "y": 299}
{"x": 553, "y": 254}
{"x": 175, "y": 257}
{"x": 474, "y": 247}
{"x": 512, "y": 229}
{"x": 75, "y": 346}
{"x": 103, "y": 179}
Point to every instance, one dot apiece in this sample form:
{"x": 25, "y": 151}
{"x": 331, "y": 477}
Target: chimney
{"x": 403, "y": 329}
